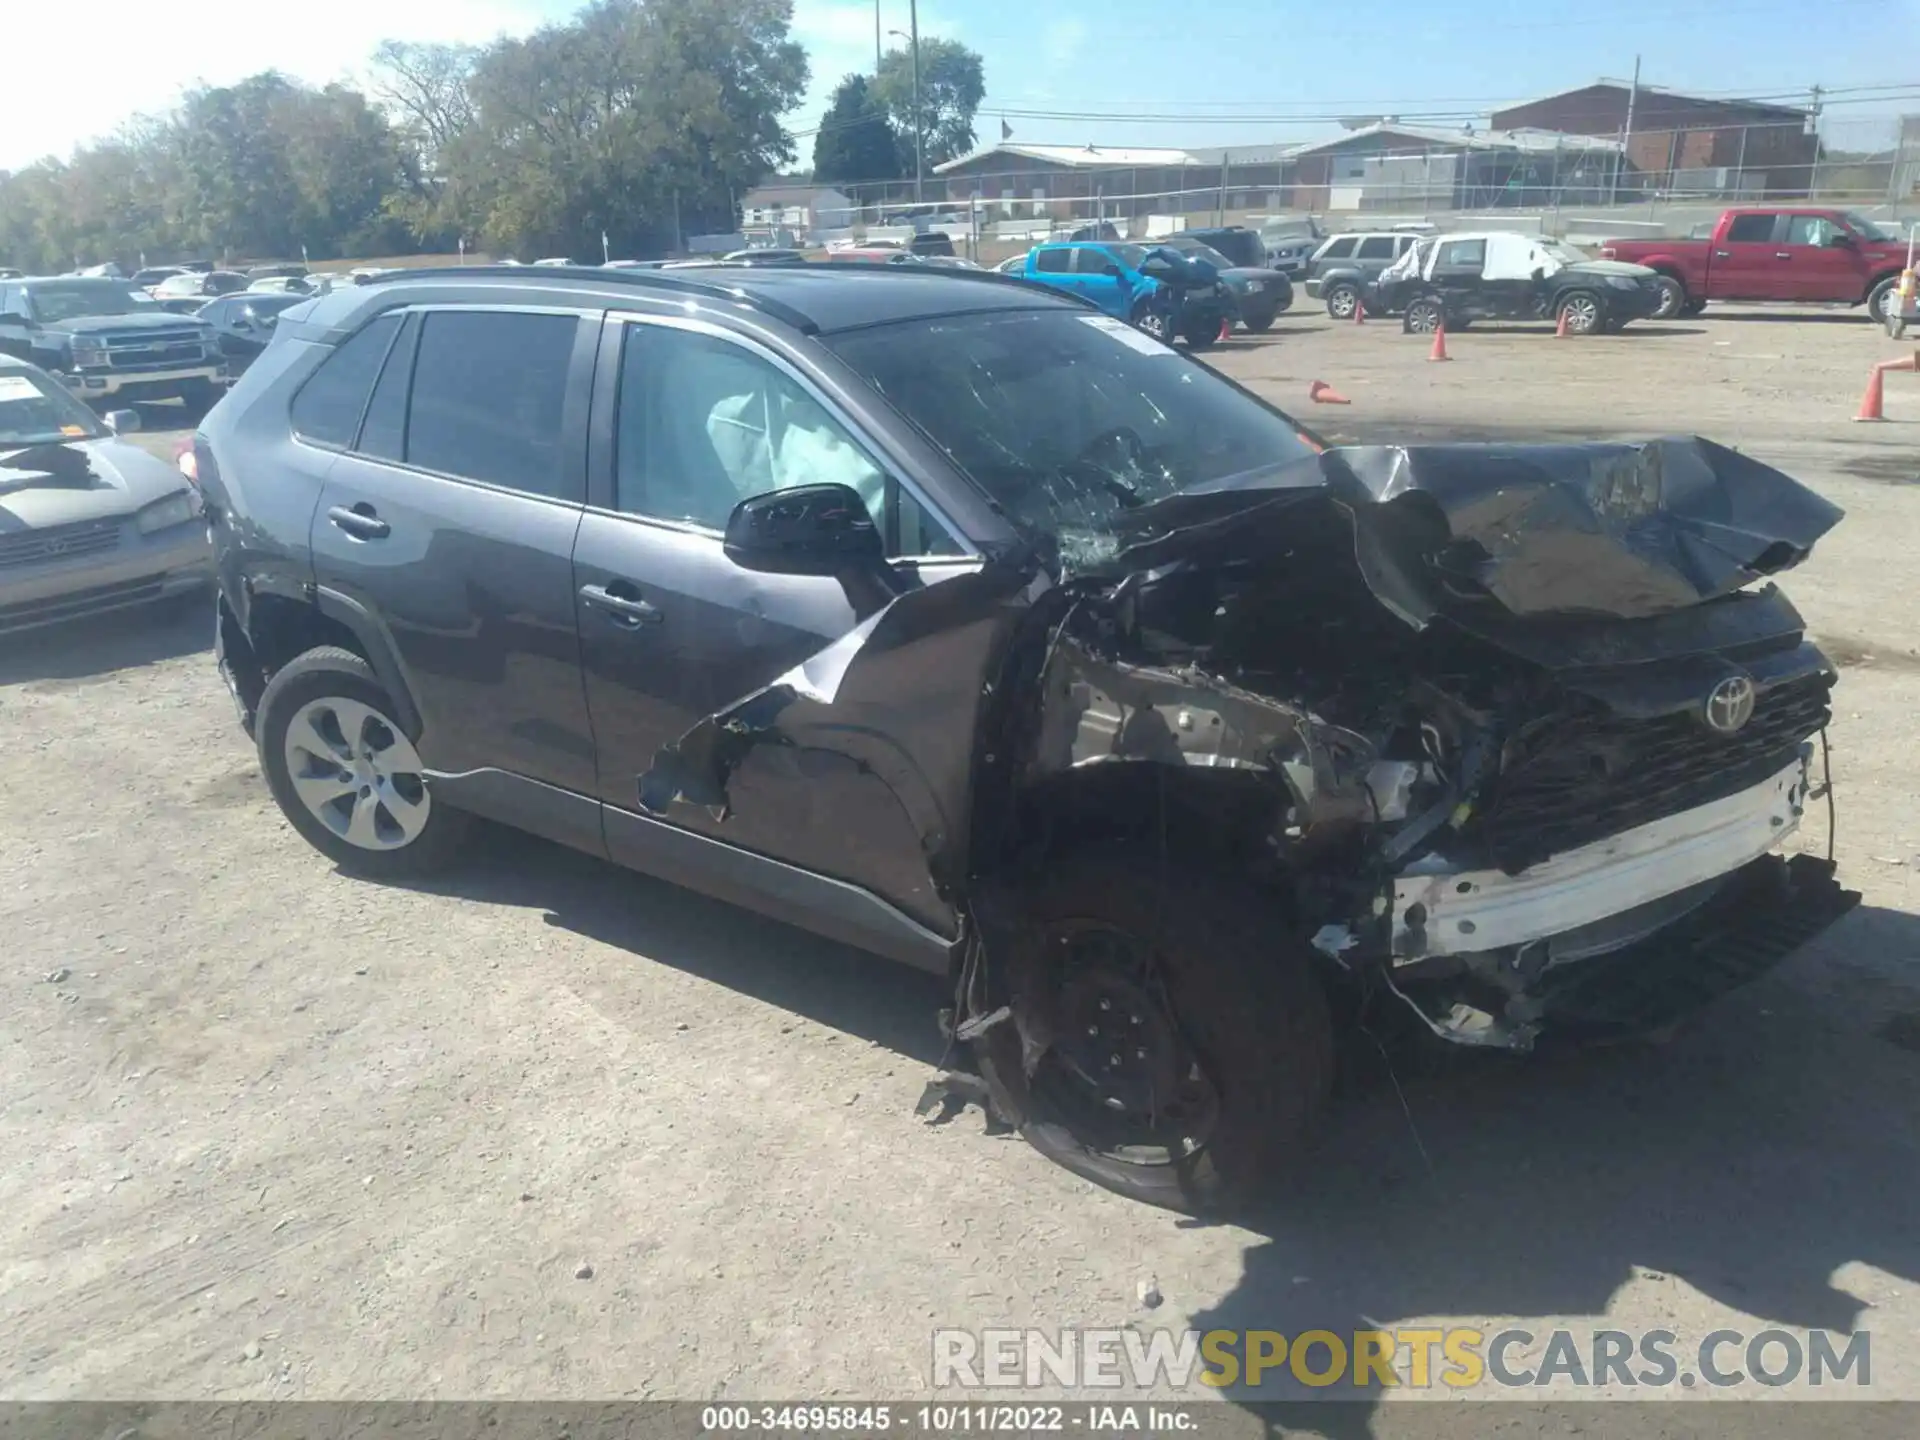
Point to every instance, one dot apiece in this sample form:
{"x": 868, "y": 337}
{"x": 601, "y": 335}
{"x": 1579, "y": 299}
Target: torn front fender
{"x": 858, "y": 763}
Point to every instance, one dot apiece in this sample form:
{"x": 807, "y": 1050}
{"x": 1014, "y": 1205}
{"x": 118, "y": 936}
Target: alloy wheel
{"x": 1341, "y": 302}
{"x": 1423, "y": 317}
{"x": 357, "y": 774}
{"x": 1156, "y": 324}
{"x": 1583, "y": 314}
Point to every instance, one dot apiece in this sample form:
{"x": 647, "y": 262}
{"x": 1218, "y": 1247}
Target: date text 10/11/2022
{"x": 947, "y": 1419}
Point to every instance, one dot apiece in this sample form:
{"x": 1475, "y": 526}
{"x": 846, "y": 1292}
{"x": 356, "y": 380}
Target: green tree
{"x": 952, "y": 85}
{"x": 638, "y": 121}
{"x": 856, "y": 141}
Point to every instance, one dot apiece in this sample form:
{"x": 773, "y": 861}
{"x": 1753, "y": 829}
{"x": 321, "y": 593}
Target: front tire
{"x": 1191, "y": 1051}
{"x": 346, "y": 775}
{"x": 1259, "y": 324}
{"x": 1582, "y": 311}
{"x": 1423, "y": 316}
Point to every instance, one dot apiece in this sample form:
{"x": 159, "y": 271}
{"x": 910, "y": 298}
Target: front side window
{"x": 489, "y": 397}
{"x": 1065, "y": 419}
{"x": 705, "y": 423}
{"x": 1809, "y": 229}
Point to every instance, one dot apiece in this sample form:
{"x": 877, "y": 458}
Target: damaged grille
{"x": 1592, "y": 773}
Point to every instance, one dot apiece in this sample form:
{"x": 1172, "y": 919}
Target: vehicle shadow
{"x": 835, "y": 985}
{"x": 1752, "y": 1160}
{"x": 102, "y": 644}
{"x": 1855, "y": 316}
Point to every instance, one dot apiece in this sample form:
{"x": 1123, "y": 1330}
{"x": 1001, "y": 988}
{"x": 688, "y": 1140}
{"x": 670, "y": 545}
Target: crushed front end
{"x": 1513, "y": 733}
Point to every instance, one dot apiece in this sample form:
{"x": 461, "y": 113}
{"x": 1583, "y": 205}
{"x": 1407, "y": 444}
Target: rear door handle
{"x": 628, "y": 610}
{"x": 1783, "y": 254}
{"x": 1723, "y": 254}
{"x": 360, "y": 521}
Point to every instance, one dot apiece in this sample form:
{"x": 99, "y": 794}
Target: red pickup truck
{"x": 1832, "y": 257}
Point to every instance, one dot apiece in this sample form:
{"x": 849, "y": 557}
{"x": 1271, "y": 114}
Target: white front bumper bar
{"x": 1465, "y": 911}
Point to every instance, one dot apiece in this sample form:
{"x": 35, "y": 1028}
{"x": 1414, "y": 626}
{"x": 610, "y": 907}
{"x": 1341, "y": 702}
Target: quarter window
{"x": 489, "y": 394}
{"x": 328, "y": 408}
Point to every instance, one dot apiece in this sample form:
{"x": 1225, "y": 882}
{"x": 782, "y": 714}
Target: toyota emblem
{"x": 1729, "y": 705}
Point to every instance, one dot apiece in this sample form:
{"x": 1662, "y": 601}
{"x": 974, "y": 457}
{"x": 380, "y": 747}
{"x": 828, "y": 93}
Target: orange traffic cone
{"x": 1439, "y": 351}
{"x": 1873, "y": 403}
{"x": 1359, "y": 311}
{"x": 1560, "y": 327}
{"x": 1321, "y": 393}
{"x": 1226, "y": 330}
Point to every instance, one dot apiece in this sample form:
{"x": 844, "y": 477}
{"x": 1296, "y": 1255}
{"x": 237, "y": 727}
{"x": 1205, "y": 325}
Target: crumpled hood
{"x": 1624, "y": 530}
{"x": 58, "y": 484}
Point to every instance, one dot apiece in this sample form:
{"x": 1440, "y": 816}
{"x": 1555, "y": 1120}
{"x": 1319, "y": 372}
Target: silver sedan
{"x": 88, "y": 521}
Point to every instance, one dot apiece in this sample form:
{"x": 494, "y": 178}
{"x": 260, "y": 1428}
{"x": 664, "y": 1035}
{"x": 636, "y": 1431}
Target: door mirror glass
{"x": 122, "y": 422}
{"x": 807, "y": 530}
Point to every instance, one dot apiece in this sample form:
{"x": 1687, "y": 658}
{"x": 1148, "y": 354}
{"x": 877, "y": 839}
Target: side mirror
{"x": 1112, "y": 269}
{"x": 808, "y": 530}
{"x": 1158, "y": 267}
{"x": 122, "y": 422}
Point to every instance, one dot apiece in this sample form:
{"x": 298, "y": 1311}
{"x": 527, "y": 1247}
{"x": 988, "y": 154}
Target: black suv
{"x": 939, "y": 613}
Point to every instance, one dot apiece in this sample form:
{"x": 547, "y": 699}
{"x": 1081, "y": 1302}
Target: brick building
{"x": 1681, "y": 143}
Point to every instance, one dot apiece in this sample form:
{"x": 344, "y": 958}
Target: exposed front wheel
{"x": 1582, "y": 313}
{"x": 345, "y": 774}
{"x": 1673, "y": 298}
{"x": 1342, "y": 301}
{"x": 1188, "y": 1052}
{"x": 1423, "y": 317}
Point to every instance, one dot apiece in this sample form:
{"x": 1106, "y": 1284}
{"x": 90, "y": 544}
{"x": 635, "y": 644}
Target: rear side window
{"x": 383, "y": 435}
{"x": 1052, "y": 262}
{"x": 1339, "y": 249}
{"x": 1463, "y": 255}
{"x": 1751, "y": 229}
{"x": 1375, "y": 247}
{"x": 489, "y": 393}
{"x": 328, "y": 408}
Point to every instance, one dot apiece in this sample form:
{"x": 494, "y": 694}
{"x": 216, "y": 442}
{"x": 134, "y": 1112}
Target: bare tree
{"x": 425, "y": 86}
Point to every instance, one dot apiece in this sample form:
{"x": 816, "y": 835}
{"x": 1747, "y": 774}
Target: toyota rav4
{"x": 947, "y": 616}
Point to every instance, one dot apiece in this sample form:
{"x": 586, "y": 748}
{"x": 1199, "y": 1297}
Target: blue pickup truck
{"x": 1153, "y": 288}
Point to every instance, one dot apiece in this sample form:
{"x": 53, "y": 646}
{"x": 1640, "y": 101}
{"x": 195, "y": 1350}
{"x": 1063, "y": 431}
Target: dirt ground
{"x": 553, "y": 1130}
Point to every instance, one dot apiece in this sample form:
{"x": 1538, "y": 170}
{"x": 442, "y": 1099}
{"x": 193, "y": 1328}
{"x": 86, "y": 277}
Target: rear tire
{"x": 1693, "y": 308}
{"x": 346, "y": 775}
{"x": 1202, "y": 337}
{"x": 1880, "y": 300}
{"x": 1673, "y": 299}
{"x": 1341, "y": 301}
{"x": 1259, "y": 324}
{"x": 1200, "y": 978}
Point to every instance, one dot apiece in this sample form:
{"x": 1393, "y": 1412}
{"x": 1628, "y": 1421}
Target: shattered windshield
{"x": 1067, "y": 419}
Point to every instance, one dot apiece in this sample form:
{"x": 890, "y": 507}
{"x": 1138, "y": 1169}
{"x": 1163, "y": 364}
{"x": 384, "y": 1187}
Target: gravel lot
{"x": 554, "y": 1130}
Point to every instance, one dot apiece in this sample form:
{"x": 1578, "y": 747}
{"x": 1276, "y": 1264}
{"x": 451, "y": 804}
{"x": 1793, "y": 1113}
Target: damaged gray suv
{"x": 943, "y": 615}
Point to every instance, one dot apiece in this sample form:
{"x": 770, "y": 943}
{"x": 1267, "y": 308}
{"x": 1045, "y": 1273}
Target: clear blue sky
{"x": 1190, "y": 61}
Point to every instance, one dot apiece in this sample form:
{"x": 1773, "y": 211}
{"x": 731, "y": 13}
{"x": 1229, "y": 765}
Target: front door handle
{"x": 1723, "y": 254}
{"x": 360, "y": 521}
{"x": 1783, "y": 254}
{"x": 629, "y": 610}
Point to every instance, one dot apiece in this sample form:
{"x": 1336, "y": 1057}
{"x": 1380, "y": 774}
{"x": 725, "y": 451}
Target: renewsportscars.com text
{"x": 1458, "y": 1358}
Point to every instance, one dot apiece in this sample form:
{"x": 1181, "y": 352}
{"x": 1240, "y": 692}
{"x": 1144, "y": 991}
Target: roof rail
{"x": 668, "y": 280}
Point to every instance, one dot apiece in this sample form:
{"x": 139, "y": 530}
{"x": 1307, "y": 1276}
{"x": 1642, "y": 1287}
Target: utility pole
{"x": 876, "y": 38}
{"x": 1813, "y": 129}
{"x": 919, "y": 120}
{"x": 1626, "y": 139}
